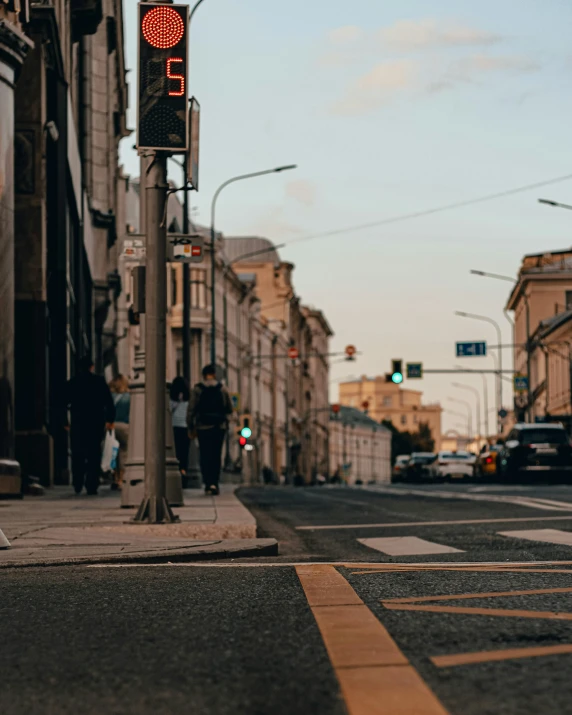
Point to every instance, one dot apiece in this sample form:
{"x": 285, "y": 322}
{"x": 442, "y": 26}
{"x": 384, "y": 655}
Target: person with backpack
{"x": 207, "y": 418}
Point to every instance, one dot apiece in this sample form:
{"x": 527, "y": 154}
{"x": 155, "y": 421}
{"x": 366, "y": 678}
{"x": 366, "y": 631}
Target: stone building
{"x": 542, "y": 305}
{"x": 306, "y": 378}
{"x": 359, "y": 448}
{"x": 15, "y": 45}
{"x": 387, "y": 401}
{"x": 70, "y": 115}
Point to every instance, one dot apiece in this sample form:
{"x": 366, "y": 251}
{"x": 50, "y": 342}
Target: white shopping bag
{"x": 110, "y": 450}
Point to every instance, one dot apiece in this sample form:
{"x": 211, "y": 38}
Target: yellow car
{"x": 486, "y": 463}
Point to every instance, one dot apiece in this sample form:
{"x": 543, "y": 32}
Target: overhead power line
{"x": 429, "y": 212}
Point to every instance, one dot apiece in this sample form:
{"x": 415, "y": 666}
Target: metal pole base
{"x": 155, "y": 510}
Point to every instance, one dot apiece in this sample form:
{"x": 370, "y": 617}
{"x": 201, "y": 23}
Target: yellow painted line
{"x": 324, "y": 586}
{"x": 447, "y": 661}
{"x": 492, "y": 594}
{"x": 457, "y": 522}
{"x": 374, "y": 675}
{"x": 501, "y": 612}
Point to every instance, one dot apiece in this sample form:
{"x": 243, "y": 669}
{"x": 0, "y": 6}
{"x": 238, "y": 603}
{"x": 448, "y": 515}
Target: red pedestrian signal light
{"x": 163, "y": 27}
{"x": 162, "y": 121}
{"x": 242, "y": 441}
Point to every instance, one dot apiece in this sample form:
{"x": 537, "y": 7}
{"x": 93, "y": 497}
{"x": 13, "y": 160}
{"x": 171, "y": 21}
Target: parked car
{"x": 454, "y": 465}
{"x": 486, "y": 462}
{"x": 535, "y": 450}
{"x": 399, "y": 467}
{"x": 420, "y": 466}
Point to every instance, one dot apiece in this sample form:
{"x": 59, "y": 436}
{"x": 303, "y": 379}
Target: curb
{"x": 265, "y": 547}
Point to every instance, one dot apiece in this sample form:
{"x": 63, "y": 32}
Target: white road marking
{"x": 549, "y": 536}
{"x": 407, "y": 546}
{"x": 456, "y": 522}
{"x": 531, "y": 502}
{"x": 341, "y": 564}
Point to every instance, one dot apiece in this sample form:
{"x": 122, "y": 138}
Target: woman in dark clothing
{"x": 178, "y": 403}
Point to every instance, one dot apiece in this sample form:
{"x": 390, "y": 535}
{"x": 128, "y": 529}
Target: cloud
{"x": 274, "y": 225}
{"x": 476, "y": 64}
{"x": 427, "y": 34}
{"x": 302, "y": 191}
{"x": 344, "y": 35}
{"x": 376, "y": 88}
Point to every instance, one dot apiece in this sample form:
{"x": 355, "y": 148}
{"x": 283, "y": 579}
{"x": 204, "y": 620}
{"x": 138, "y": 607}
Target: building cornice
{"x": 14, "y": 45}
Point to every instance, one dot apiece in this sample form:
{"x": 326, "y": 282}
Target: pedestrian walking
{"x": 179, "y": 405}
{"x": 92, "y": 412}
{"x": 122, "y": 400}
{"x": 209, "y": 409}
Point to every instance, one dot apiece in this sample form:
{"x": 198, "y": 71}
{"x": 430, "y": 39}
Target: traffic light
{"x": 397, "y": 372}
{"x": 162, "y": 114}
{"x": 245, "y": 433}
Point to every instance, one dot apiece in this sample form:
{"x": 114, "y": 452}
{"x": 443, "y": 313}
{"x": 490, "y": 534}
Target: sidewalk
{"x": 61, "y": 527}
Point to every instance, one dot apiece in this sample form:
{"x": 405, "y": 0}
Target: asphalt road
{"x": 443, "y": 609}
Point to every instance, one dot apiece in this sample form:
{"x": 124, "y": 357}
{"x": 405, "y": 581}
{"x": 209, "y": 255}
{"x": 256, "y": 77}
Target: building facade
{"x": 392, "y": 403}
{"x": 69, "y": 110}
{"x": 542, "y": 301}
{"x": 359, "y": 448}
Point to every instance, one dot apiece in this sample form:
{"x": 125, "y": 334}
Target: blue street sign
{"x": 414, "y": 370}
{"x": 472, "y": 349}
{"x": 520, "y": 383}
{"x": 503, "y": 414}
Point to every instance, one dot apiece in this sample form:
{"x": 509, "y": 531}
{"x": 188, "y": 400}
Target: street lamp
{"x": 547, "y": 202}
{"x": 242, "y": 177}
{"x": 485, "y": 274}
{"x": 469, "y": 413}
{"x": 486, "y": 319}
{"x": 462, "y": 386}
{"x": 485, "y": 398}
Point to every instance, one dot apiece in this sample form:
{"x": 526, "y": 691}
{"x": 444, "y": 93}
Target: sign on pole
{"x": 520, "y": 383}
{"x": 414, "y": 370}
{"x": 194, "y": 142}
{"x": 188, "y": 249}
{"x": 475, "y": 349}
{"x": 235, "y": 399}
{"x": 293, "y": 353}
{"x": 350, "y": 352}
{"x": 162, "y": 115}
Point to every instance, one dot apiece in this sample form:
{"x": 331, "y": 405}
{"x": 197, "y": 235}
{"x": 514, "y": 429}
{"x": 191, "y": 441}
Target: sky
{"x": 387, "y": 109}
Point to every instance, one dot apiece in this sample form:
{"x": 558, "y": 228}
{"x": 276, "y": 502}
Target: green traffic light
{"x": 246, "y": 432}
{"x": 397, "y": 378}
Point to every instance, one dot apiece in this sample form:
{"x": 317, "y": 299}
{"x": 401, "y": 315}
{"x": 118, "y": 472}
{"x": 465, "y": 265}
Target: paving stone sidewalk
{"x": 61, "y": 527}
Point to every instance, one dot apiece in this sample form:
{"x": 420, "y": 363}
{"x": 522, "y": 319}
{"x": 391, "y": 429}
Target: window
{"x": 403, "y": 419}
{"x": 387, "y": 401}
{"x": 569, "y": 300}
{"x": 198, "y": 288}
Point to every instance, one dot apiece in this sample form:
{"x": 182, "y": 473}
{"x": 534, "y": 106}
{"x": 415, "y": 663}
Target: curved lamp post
{"x": 234, "y": 179}
{"x": 486, "y": 319}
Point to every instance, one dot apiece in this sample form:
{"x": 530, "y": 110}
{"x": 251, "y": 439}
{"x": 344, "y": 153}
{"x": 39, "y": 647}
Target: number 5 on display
{"x": 178, "y": 77}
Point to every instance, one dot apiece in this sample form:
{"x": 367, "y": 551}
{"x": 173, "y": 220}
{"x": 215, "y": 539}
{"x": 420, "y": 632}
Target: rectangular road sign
{"x": 477, "y": 349}
{"x": 235, "y": 399}
{"x": 520, "y": 383}
{"x": 414, "y": 370}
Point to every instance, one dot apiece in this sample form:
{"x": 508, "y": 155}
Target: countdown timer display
{"x": 163, "y": 64}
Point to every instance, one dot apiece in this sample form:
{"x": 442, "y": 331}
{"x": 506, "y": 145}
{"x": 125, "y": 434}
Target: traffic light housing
{"x": 162, "y": 113}
{"x": 245, "y": 432}
{"x": 396, "y": 375}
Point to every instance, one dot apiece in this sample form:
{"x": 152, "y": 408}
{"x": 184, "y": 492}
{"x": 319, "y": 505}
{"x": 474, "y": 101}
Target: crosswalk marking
{"x": 549, "y": 536}
{"x": 407, "y": 546}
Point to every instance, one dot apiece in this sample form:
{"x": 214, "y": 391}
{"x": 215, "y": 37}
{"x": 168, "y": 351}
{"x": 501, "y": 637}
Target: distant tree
{"x": 423, "y": 439}
{"x": 401, "y": 442}
{"x": 407, "y": 442}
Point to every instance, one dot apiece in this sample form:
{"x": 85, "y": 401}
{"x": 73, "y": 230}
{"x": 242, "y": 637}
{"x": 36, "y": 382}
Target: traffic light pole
{"x": 154, "y": 508}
